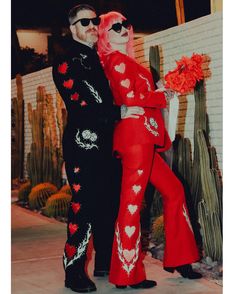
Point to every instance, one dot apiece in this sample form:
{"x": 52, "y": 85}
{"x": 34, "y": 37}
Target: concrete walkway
{"x": 37, "y": 245}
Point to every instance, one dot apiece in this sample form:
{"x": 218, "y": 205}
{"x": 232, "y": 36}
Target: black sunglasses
{"x": 117, "y": 27}
{"x": 86, "y": 21}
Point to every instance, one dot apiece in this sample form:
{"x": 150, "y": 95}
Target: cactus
{"x": 210, "y": 206}
{"x": 24, "y": 191}
{"x": 39, "y": 195}
{"x": 18, "y": 131}
{"x": 66, "y": 189}
{"x": 182, "y": 159}
{"x": 158, "y": 232}
{"x": 58, "y": 204}
{"x": 45, "y": 160}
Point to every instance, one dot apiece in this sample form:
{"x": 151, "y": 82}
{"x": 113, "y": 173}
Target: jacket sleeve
{"x": 81, "y": 98}
{"x": 131, "y": 86}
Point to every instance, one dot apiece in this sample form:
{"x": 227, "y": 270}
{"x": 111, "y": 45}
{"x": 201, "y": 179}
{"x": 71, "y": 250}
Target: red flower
{"x": 75, "y": 207}
{"x": 68, "y": 84}
{"x": 62, "y": 68}
{"x": 74, "y": 96}
{"x": 70, "y": 250}
{"x": 73, "y": 228}
{"x": 184, "y": 77}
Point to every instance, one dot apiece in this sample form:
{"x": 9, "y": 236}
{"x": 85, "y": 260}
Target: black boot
{"x": 187, "y": 271}
{"x": 78, "y": 281}
{"x": 145, "y": 284}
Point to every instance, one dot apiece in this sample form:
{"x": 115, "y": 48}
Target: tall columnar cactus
{"x": 44, "y": 161}
{"x": 200, "y": 123}
{"x": 209, "y": 207}
{"x": 18, "y": 131}
{"x": 183, "y": 160}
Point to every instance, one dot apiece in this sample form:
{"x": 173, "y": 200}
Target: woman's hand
{"x": 131, "y": 111}
{"x": 169, "y": 93}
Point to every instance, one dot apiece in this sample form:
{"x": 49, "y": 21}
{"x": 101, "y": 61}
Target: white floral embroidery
{"x": 127, "y": 257}
{"x": 147, "y": 81}
{"x": 152, "y": 123}
{"x": 93, "y": 92}
{"x": 136, "y": 188}
{"x": 80, "y": 250}
{"x": 87, "y": 136}
{"x": 187, "y": 218}
{"x": 93, "y": 137}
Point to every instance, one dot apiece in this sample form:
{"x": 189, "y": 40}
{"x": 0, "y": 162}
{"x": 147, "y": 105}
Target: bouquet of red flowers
{"x": 184, "y": 77}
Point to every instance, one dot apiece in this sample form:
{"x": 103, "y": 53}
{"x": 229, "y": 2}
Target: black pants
{"x": 95, "y": 184}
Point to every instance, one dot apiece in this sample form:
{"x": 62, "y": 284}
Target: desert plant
{"x": 39, "y": 195}
{"x": 44, "y": 162}
{"x": 66, "y": 189}
{"x": 57, "y": 205}
{"x": 24, "y": 192}
{"x": 158, "y": 232}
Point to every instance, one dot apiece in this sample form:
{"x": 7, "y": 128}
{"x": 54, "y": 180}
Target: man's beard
{"x": 90, "y": 36}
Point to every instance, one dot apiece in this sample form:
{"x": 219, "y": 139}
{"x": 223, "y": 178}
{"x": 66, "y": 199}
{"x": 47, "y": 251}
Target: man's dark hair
{"x": 74, "y": 11}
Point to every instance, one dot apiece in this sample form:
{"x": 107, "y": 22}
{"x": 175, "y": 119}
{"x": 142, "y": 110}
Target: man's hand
{"x": 131, "y": 111}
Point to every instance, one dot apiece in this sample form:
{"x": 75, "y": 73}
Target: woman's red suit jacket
{"x": 132, "y": 85}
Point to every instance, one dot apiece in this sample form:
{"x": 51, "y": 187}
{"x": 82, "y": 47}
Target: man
{"x": 91, "y": 169}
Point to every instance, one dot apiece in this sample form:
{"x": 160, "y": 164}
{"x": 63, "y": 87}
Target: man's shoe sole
{"x": 87, "y": 290}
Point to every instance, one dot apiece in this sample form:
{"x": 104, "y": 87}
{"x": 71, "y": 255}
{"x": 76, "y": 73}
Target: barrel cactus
{"x": 24, "y": 191}
{"x": 158, "y": 232}
{"x": 39, "y": 195}
{"x": 66, "y": 189}
{"x": 57, "y": 205}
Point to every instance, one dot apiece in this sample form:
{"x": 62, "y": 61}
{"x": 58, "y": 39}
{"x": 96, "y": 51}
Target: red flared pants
{"x": 142, "y": 164}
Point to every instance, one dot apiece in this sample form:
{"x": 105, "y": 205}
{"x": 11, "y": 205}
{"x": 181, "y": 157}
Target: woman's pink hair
{"x": 104, "y": 47}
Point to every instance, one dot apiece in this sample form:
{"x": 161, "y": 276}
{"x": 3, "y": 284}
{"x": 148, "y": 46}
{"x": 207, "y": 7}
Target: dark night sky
{"x": 144, "y": 15}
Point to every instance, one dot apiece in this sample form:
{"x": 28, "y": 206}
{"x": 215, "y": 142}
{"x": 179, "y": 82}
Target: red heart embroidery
{"x": 76, "y": 187}
{"x": 68, "y": 84}
{"x": 73, "y": 228}
{"x": 74, "y": 96}
{"x": 70, "y": 250}
{"x": 62, "y": 68}
{"x": 76, "y": 207}
{"x": 83, "y": 103}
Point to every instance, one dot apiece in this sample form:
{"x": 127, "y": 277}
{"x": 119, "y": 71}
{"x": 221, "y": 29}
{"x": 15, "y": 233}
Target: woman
{"x": 138, "y": 142}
